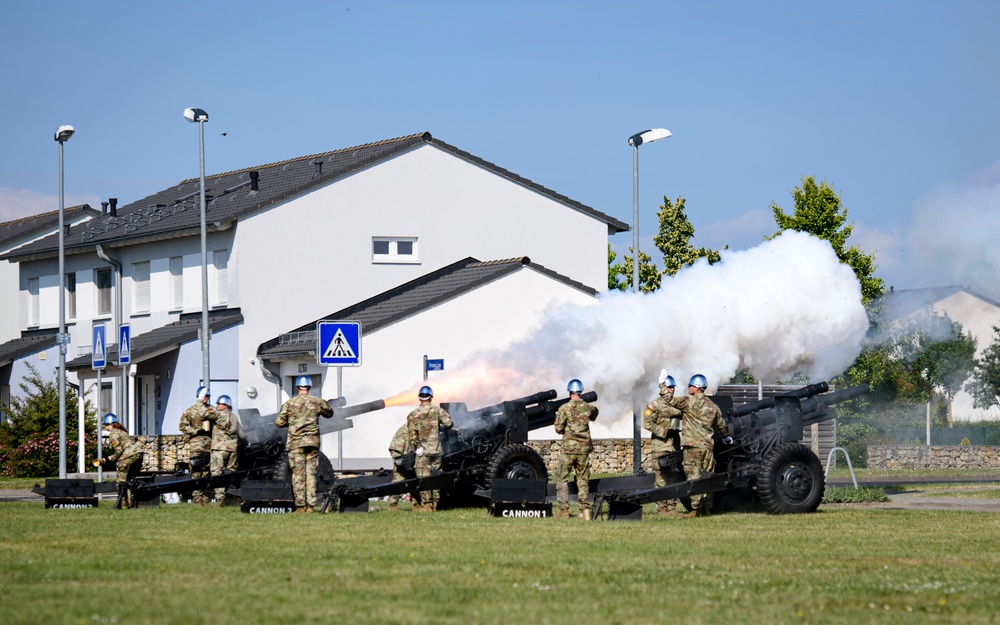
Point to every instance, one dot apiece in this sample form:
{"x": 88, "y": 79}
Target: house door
{"x": 145, "y": 405}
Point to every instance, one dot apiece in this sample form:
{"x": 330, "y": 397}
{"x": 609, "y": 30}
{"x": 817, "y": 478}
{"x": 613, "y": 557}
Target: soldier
{"x": 127, "y": 452}
{"x": 300, "y": 415}
{"x": 699, "y": 416}
{"x": 664, "y": 424}
{"x": 196, "y": 424}
{"x": 399, "y": 447}
{"x": 573, "y": 422}
{"x": 225, "y": 440}
{"x": 422, "y": 427}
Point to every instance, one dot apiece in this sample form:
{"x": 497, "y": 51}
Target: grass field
{"x": 185, "y": 565}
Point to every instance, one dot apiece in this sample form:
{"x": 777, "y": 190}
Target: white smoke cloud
{"x": 953, "y": 233}
{"x": 20, "y": 203}
{"x": 786, "y": 306}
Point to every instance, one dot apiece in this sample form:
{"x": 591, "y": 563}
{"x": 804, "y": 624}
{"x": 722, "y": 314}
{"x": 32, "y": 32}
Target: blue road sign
{"x": 436, "y": 364}
{"x": 98, "y": 354}
{"x": 124, "y": 344}
{"x": 338, "y": 343}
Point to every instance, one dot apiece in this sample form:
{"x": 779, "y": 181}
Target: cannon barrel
{"x": 812, "y": 408}
{"x": 544, "y": 414}
{"x": 337, "y": 402}
{"x": 768, "y": 402}
{"x": 346, "y": 412}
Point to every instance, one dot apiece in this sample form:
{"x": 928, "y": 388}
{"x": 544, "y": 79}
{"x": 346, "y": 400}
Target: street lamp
{"x": 199, "y": 116}
{"x": 63, "y": 133}
{"x": 646, "y": 136}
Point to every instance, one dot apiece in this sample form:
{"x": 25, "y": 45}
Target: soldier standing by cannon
{"x": 664, "y": 425}
{"x": 573, "y": 422}
{"x": 126, "y": 452}
{"x": 300, "y": 415}
{"x": 699, "y": 416}
{"x": 225, "y": 439}
{"x": 422, "y": 427}
{"x": 196, "y": 424}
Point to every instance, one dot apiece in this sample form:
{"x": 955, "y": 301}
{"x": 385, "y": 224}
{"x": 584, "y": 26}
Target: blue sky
{"x": 893, "y": 103}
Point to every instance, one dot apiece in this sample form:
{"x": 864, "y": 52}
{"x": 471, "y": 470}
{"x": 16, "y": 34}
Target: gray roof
{"x": 409, "y": 299}
{"x": 29, "y": 343}
{"x": 904, "y": 302}
{"x": 166, "y": 337}
{"x": 176, "y": 211}
{"x": 19, "y": 229}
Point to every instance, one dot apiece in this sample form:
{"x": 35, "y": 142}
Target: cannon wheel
{"x": 516, "y": 462}
{"x": 791, "y": 480}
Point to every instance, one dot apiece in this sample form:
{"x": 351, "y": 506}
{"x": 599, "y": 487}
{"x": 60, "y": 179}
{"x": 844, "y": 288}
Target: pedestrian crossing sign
{"x": 98, "y": 357}
{"x": 338, "y": 343}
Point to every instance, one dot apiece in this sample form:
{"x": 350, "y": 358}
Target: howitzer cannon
{"x": 766, "y": 460}
{"x": 484, "y": 444}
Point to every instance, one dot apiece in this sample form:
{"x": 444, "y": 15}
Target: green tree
{"x": 985, "y": 383}
{"x": 29, "y": 441}
{"x": 615, "y": 273}
{"x": 819, "y": 212}
{"x": 674, "y": 239}
{"x": 620, "y": 275}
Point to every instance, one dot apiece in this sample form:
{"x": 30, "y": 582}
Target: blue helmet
{"x": 110, "y": 418}
{"x": 669, "y": 381}
{"x": 698, "y": 381}
{"x": 303, "y": 381}
{"x": 425, "y": 392}
{"x": 575, "y": 386}
{"x": 203, "y": 392}
{"x": 224, "y": 399}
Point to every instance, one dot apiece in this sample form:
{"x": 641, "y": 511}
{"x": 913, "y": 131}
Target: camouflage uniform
{"x": 398, "y": 447}
{"x": 127, "y": 452}
{"x": 225, "y": 441}
{"x": 700, "y": 416}
{"x": 300, "y": 415}
{"x": 664, "y": 424}
{"x": 422, "y": 427}
{"x": 573, "y": 422}
{"x": 199, "y": 445}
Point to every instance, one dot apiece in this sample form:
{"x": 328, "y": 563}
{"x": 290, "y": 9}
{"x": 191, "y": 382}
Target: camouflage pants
{"x": 661, "y": 481}
{"x": 201, "y": 497}
{"x": 397, "y": 476}
{"x": 425, "y": 466}
{"x": 222, "y": 460}
{"x": 128, "y": 469}
{"x": 580, "y": 465}
{"x": 304, "y": 461}
{"x": 698, "y": 463}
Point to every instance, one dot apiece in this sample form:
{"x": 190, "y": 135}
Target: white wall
{"x": 318, "y": 256}
{"x": 491, "y": 316}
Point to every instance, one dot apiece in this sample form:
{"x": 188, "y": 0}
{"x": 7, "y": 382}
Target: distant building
{"x": 976, "y": 313}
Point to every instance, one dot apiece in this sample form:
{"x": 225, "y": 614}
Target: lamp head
{"x": 647, "y": 136}
{"x": 195, "y": 115}
{"x": 63, "y": 133}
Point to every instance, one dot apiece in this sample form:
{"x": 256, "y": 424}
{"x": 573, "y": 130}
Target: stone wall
{"x": 611, "y": 455}
{"x": 934, "y": 457}
{"x": 163, "y": 452}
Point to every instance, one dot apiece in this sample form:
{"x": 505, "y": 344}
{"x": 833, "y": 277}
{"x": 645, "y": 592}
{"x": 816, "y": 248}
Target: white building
{"x": 288, "y": 243}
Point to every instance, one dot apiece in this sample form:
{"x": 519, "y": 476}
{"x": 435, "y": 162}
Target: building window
{"x": 176, "y": 282}
{"x": 33, "y": 301}
{"x": 102, "y": 278}
{"x": 140, "y": 286}
{"x": 394, "y": 250}
{"x": 220, "y": 263}
{"x": 71, "y": 296}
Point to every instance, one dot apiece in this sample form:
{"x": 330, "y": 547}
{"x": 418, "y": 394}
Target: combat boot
{"x": 418, "y": 507}
{"x": 562, "y": 514}
{"x": 690, "y": 514}
{"x": 585, "y": 514}
{"x": 309, "y": 510}
{"x": 394, "y": 507}
{"x": 300, "y": 510}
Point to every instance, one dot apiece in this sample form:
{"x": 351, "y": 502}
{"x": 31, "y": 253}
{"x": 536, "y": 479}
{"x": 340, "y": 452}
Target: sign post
{"x": 98, "y": 360}
{"x": 338, "y": 344}
{"x": 434, "y": 364}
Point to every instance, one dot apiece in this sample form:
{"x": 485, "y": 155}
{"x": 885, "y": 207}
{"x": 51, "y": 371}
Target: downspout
{"x": 122, "y": 407}
{"x": 276, "y": 377}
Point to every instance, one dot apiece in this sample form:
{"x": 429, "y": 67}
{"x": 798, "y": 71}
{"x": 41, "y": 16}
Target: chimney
{"x": 254, "y": 175}
{"x": 104, "y": 208}
{"x": 114, "y": 206}
{"x": 319, "y": 169}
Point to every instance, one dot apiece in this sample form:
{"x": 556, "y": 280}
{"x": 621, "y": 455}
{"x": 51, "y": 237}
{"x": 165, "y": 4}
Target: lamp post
{"x": 646, "y": 136}
{"x": 63, "y": 133}
{"x": 199, "y": 116}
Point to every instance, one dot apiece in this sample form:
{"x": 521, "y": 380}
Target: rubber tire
{"x": 791, "y": 480}
{"x": 516, "y": 462}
